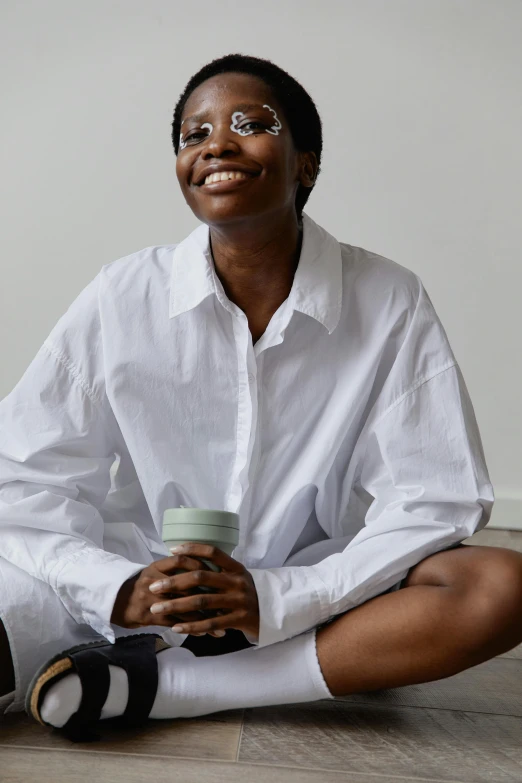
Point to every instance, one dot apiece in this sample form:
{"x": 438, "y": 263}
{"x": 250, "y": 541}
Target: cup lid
{"x": 200, "y": 516}
{"x": 203, "y": 533}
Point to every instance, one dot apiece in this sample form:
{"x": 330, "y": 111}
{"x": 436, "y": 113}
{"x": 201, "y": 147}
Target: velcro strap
{"x": 141, "y": 665}
{"x": 136, "y": 654}
{"x": 95, "y": 681}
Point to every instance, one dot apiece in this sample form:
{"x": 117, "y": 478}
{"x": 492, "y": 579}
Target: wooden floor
{"x": 466, "y": 728}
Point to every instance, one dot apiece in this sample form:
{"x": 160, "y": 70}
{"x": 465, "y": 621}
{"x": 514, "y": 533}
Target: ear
{"x": 308, "y": 170}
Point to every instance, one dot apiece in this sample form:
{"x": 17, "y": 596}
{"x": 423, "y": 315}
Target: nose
{"x": 221, "y": 143}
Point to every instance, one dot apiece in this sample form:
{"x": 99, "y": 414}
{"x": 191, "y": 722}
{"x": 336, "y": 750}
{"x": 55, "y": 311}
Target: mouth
{"x": 226, "y": 180}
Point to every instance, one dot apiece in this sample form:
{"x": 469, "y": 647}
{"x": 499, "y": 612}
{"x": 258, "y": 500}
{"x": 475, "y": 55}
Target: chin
{"x": 227, "y": 213}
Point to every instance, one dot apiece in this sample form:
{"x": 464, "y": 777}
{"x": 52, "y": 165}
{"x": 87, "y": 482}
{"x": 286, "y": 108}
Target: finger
{"x": 164, "y": 584}
{"x": 166, "y": 620}
{"x": 200, "y": 601}
{"x": 219, "y": 581}
{"x": 165, "y": 566}
{"x": 200, "y": 614}
{"x": 231, "y": 620}
{"x": 171, "y": 617}
{"x": 212, "y": 553}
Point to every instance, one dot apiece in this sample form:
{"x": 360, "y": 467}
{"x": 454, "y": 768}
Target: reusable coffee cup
{"x": 219, "y": 528}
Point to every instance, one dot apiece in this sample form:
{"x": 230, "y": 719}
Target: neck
{"x": 256, "y": 262}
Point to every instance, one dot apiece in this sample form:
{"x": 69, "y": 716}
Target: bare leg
{"x": 458, "y": 609}
{"x": 7, "y": 677}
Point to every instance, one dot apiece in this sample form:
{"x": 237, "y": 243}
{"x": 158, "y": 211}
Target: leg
{"x": 38, "y": 627}
{"x": 457, "y": 609}
{"x": 34, "y": 625}
{"x": 7, "y": 678}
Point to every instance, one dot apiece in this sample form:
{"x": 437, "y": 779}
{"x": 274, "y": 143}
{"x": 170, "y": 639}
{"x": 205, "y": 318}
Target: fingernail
{"x": 220, "y": 633}
{"x": 179, "y": 548}
{"x": 177, "y": 629}
{"x": 156, "y": 608}
{"x": 156, "y": 587}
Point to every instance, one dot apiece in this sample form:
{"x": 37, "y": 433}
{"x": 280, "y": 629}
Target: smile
{"x": 223, "y": 181}
{"x": 223, "y": 176}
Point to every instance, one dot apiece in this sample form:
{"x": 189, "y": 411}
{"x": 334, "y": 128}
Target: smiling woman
{"x": 248, "y": 141}
{"x": 239, "y": 95}
{"x": 262, "y": 367}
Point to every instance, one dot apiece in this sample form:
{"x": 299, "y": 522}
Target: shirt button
{"x": 251, "y": 378}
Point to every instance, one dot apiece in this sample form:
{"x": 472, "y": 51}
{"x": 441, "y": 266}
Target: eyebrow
{"x": 239, "y": 107}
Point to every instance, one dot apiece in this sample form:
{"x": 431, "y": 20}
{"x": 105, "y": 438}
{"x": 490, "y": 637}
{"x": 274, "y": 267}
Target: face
{"x": 232, "y": 124}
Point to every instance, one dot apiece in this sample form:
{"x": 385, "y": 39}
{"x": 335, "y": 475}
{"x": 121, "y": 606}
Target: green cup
{"x": 208, "y": 526}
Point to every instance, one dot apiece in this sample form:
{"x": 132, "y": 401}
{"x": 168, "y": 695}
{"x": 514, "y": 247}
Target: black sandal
{"x": 136, "y": 654}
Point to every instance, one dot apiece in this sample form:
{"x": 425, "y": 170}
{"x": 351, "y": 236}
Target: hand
{"x": 235, "y": 592}
{"x": 132, "y": 605}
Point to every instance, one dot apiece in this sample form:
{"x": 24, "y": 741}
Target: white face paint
{"x": 276, "y": 127}
{"x": 183, "y": 143}
{"x": 238, "y": 115}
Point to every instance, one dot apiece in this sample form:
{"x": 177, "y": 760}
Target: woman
{"x": 262, "y": 367}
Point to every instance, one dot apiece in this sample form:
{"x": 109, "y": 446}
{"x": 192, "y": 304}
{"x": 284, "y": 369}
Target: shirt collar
{"x": 316, "y": 289}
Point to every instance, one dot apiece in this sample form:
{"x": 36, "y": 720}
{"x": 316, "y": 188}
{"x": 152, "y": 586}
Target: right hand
{"x": 132, "y": 605}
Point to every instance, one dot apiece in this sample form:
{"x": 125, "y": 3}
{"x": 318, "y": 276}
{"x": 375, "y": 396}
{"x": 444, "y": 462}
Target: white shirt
{"x": 344, "y": 438}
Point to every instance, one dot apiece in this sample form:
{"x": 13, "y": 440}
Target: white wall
{"x": 422, "y": 115}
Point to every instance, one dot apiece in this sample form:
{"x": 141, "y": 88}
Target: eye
{"x": 253, "y": 122}
{"x": 194, "y": 136}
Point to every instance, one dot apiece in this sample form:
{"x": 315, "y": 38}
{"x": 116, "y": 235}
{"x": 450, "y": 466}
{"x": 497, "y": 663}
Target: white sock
{"x": 284, "y": 673}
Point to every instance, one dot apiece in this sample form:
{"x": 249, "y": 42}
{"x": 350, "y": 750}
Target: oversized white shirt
{"x": 345, "y": 438}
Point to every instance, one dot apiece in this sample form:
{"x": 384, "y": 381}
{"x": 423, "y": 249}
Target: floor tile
{"x": 395, "y": 741}
{"x": 492, "y": 687}
{"x": 20, "y": 766}
{"x": 209, "y": 737}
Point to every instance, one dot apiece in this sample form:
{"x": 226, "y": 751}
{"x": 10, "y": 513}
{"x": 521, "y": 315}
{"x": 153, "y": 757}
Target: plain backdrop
{"x": 422, "y": 118}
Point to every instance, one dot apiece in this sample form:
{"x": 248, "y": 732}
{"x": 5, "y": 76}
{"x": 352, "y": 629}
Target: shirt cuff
{"x": 292, "y": 600}
{"x": 88, "y": 589}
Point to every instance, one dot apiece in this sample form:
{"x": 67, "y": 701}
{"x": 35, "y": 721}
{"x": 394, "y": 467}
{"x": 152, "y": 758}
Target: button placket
{"x": 247, "y": 404}
{"x": 255, "y": 454}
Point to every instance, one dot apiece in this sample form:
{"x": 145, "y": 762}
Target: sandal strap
{"x": 141, "y": 664}
{"x": 136, "y": 654}
{"x": 95, "y": 680}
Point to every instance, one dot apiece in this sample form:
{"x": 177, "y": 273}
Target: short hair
{"x": 298, "y": 107}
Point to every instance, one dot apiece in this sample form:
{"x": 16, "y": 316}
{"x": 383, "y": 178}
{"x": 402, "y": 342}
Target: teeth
{"x": 220, "y": 176}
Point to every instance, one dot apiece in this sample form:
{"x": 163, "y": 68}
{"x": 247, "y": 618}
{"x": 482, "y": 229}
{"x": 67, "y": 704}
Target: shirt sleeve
{"x": 57, "y": 444}
{"x": 425, "y": 469}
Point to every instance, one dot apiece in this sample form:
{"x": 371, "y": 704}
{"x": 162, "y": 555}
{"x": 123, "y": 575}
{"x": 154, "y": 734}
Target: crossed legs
{"x": 457, "y": 609}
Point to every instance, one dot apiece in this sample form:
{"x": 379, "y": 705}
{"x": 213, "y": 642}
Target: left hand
{"x": 235, "y": 595}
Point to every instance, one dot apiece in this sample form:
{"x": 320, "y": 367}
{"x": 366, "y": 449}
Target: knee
{"x": 493, "y": 591}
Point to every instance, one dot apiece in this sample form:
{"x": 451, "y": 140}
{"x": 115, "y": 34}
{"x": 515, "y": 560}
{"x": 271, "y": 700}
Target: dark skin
{"x": 234, "y": 605}
{"x": 256, "y": 242}
{"x": 254, "y": 231}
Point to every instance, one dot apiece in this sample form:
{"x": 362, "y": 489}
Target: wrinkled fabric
{"x": 345, "y": 438}
{"x": 39, "y": 627}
